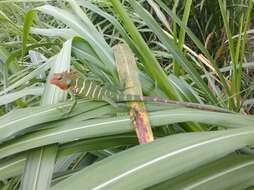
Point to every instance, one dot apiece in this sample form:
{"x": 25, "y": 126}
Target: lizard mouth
{"x": 55, "y": 79}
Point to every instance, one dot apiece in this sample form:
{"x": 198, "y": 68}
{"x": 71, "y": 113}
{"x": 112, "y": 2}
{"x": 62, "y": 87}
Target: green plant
{"x": 94, "y": 146}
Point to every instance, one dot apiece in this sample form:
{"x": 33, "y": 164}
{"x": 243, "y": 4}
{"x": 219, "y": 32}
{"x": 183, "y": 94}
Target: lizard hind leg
{"x": 110, "y": 101}
{"x": 122, "y": 109}
{"x": 67, "y": 110}
{"x": 72, "y": 106}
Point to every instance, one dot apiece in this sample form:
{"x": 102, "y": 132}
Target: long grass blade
{"x": 143, "y": 161}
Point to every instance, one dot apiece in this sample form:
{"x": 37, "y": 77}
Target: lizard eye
{"x": 69, "y": 82}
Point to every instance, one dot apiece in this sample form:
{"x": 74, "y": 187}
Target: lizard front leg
{"x": 72, "y": 106}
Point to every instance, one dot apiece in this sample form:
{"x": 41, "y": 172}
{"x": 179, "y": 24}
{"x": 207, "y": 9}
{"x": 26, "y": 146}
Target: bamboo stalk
{"x": 128, "y": 74}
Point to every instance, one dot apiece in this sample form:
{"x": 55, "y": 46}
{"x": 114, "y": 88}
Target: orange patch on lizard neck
{"x": 63, "y": 86}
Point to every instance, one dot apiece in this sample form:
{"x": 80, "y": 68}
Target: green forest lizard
{"x": 81, "y": 87}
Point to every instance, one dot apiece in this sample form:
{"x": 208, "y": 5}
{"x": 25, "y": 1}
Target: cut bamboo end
{"x": 128, "y": 73}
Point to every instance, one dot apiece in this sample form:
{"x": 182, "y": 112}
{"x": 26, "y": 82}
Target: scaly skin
{"x": 81, "y": 87}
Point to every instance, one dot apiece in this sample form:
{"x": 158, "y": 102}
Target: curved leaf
{"x": 73, "y": 130}
{"x": 5, "y": 99}
{"x": 227, "y": 173}
{"x": 146, "y": 165}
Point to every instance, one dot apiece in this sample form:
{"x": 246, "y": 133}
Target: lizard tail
{"x": 126, "y": 98}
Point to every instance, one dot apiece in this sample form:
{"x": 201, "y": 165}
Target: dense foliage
{"x": 192, "y": 50}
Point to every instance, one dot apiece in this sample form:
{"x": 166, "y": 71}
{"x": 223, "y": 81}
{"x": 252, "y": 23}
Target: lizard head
{"x": 64, "y": 80}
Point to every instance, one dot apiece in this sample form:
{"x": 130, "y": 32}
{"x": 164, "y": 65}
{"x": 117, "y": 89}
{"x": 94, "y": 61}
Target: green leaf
{"x": 166, "y": 157}
{"x": 39, "y": 168}
{"x": 45, "y": 66}
{"x": 26, "y": 29}
{"x": 172, "y": 48}
{"x": 54, "y": 32}
{"x": 198, "y": 44}
{"x": 5, "y": 99}
{"x": 230, "y": 172}
{"x": 149, "y": 60}
{"x": 40, "y": 163}
{"x": 67, "y": 131}
{"x": 17, "y": 121}
{"x": 12, "y": 167}
{"x": 111, "y": 19}
{"x": 92, "y": 36}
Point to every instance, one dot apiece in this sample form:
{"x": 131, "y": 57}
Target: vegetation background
{"x": 191, "y": 50}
